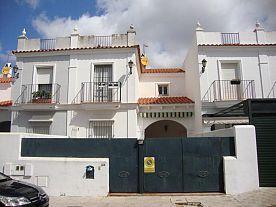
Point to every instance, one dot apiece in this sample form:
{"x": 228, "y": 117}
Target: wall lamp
{"x": 15, "y": 72}
{"x": 130, "y": 65}
{"x": 204, "y": 63}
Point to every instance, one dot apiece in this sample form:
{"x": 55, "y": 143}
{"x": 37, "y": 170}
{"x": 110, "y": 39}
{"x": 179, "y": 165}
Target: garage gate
{"x": 158, "y": 165}
{"x": 262, "y": 114}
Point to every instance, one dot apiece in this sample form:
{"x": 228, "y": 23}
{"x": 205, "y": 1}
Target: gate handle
{"x": 203, "y": 174}
{"x": 123, "y": 174}
{"x": 163, "y": 174}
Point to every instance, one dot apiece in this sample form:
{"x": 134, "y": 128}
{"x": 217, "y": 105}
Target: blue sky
{"x": 166, "y": 26}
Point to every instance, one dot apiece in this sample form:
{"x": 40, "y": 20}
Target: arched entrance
{"x": 165, "y": 128}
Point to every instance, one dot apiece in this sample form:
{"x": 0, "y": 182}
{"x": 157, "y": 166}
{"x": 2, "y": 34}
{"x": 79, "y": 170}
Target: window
{"x": 101, "y": 129}
{"x": 163, "y": 90}
{"x": 102, "y": 76}
{"x": 45, "y": 80}
{"x": 39, "y": 128}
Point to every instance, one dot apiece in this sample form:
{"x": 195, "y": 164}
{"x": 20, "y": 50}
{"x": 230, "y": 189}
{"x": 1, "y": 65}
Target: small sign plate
{"x": 149, "y": 165}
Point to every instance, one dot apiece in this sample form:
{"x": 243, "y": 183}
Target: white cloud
{"x": 31, "y": 3}
{"x": 6, "y": 56}
{"x": 165, "y": 26}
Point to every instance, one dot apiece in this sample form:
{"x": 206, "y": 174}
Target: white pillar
{"x": 199, "y": 34}
{"x": 264, "y": 74}
{"x": 21, "y": 41}
{"x": 260, "y": 34}
{"x": 131, "y": 36}
{"x": 263, "y": 62}
{"x": 74, "y": 38}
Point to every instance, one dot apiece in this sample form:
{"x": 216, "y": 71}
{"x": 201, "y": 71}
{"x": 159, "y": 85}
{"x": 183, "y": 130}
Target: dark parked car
{"x": 18, "y": 193}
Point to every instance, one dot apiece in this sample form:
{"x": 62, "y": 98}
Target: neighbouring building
{"x": 222, "y": 69}
{"x": 6, "y": 81}
{"x": 96, "y": 86}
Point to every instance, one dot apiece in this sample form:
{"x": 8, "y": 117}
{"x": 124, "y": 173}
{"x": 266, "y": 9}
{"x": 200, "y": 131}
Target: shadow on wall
{"x": 165, "y": 128}
{"x": 80, "y": 119}
{"x": 21, "y": 119}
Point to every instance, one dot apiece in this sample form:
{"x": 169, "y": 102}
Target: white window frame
{"x": 38, "y": 66}
{"x": 93, "y": 64}
{"x": 157, "y": 89}
{"x": 229, "y": 60}
{"x": 90, "y": 129}
{"x": 39, "y": 123}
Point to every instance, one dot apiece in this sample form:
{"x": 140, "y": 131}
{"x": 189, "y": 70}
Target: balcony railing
{"x": 46, "y": 44}
{"x": 39, "y": 93}
{"x": 272, "y": 92}
{"x": 102, "y": 41}
{"x": 97, "y": 92}
{"x": 230, "y": 38}
{"x": 227, "y": 90}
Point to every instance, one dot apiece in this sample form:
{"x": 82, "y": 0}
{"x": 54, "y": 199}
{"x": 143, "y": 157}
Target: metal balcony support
{"x": 98, "y": 92}
{"x": 39, "y": 93}
{"x": 226, "y": 90}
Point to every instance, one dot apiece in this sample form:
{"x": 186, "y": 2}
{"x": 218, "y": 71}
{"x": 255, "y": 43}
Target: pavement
{"x": 265, "y": 197}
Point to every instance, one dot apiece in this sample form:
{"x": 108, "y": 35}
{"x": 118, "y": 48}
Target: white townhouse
{"x": 95, "y": 86}
{"x": 6, "y": 81}
{"x": 226, "y": 68}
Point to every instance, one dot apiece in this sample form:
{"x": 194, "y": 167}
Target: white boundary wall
{"x": 240, "y": 172}
{"x": 57, "y": 176}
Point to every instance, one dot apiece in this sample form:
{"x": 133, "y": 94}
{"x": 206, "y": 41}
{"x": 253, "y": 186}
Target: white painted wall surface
{"x": 255, "y": 64}
{"x": 65, "y": 176}
{"x": 245, "y": 37}
{"x": 192, "y": 81}
{"x": 5, "y": 92}
{"x": 124, "y": 126}
{"x": 148, "y": 84}
{"x": 240, "y": 172}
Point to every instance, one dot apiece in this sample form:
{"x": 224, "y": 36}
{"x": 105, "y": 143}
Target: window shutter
{"x": 44, "y": 76}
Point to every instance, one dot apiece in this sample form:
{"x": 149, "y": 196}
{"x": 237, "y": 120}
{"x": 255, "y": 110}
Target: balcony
{"x": 230, "y": 90}
{"x": 82, "y": 42}
{"x": 99, "y": 92}
{"x": 47, "y": 44}
{"x": 39, "y": 94}
{"x": 230, "y": 38}
{"x": 272, "y": 92}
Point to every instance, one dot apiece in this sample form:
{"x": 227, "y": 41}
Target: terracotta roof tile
{"x": 5, "y": 80}
{"x": 237, "y": 45}
{"x": 164, "y": 100}
{"x": 6, "y": 103}
{"x": 163, "y": 70}
{"x": 81, "y": 48}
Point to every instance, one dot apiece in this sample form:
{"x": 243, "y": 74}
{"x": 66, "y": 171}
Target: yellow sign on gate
{"x": 149, "y": 165}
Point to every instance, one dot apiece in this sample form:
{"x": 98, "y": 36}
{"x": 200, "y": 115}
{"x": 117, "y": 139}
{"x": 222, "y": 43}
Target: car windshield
{"x": 3, "y": 177}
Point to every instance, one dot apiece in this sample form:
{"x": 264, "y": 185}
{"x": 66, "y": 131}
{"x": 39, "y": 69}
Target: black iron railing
{"x": 39, "y": 93}
{"x": 272, "y": 92}
{"x": 102, "y": 41}
{"x": 96, "y": 92}
{"x": 46, "y": 44}
{"x": 230, "y": 38}
{"x": 226, "y": 90}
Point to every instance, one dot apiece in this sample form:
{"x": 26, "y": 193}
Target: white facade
{"x": 92, "y": 89}
{"x": 239, "y": 66}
